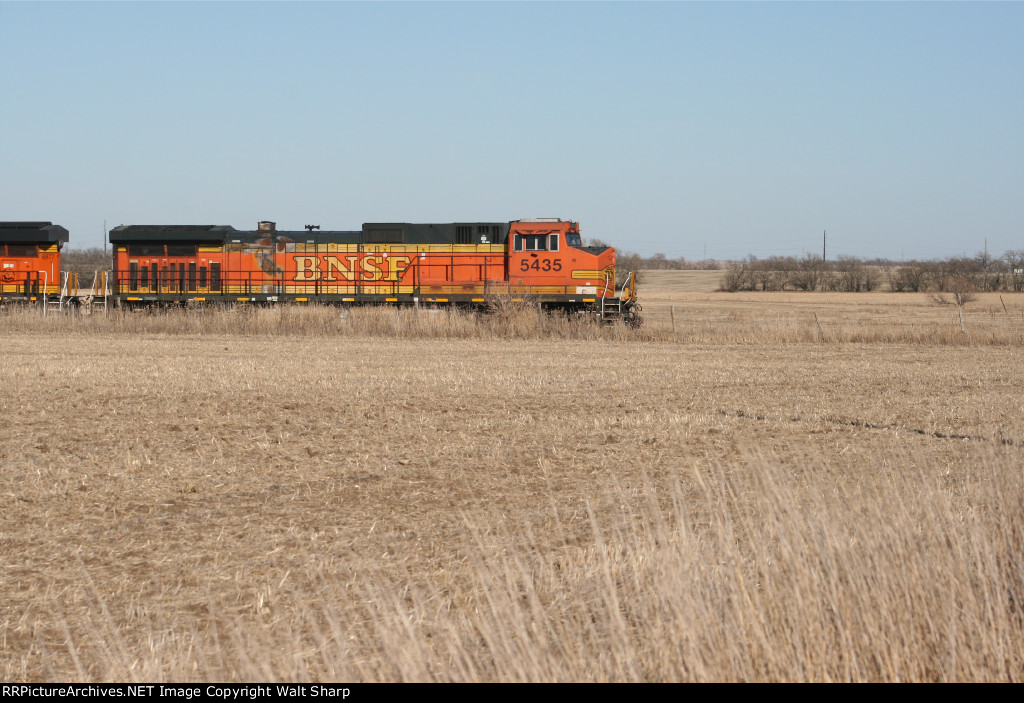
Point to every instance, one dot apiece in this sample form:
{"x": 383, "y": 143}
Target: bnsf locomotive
{"x": 30, "y": 260}
{"x": 471, "y": 263}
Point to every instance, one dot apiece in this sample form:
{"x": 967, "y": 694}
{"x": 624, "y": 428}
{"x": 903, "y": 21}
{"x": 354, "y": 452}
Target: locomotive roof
{"x": 371, "y": 232}
{"x": 442, "y": 233}
{"x": 170, "y": 233}
{"x": 32, "y": 232}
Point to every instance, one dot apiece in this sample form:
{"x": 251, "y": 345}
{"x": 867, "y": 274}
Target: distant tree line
{"x": 958, "y": 275}
{"x": 628, "y": 261}
{"x": 978, "y": 273}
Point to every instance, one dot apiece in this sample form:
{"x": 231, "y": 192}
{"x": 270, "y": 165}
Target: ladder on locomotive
{"x": 618, "y": 308}
{"x": 68, "y": 290}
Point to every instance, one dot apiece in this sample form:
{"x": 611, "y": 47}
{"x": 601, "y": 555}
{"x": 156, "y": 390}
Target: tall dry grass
{"x": 766, "y": 574}
{"x": 291, "y": 499}
{"x": 507, "y": 321}
{"x": 687, "y": 324}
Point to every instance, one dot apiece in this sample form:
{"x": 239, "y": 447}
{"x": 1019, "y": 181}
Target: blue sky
{"x": 692, "y": 129}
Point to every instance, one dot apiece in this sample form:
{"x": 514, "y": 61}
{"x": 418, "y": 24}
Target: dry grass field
{"x": 283, "y": 494}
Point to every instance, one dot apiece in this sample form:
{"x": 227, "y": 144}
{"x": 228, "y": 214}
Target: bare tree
{"x": 1014, "y": 260}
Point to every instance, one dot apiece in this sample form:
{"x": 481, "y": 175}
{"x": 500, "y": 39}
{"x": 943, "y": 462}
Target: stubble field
{"x": 756, "y": 494}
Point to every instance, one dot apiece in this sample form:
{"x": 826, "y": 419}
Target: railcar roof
{"x": 430, "y": 233}
{"x": 170, "y": 233}
{"x": 371, "y": 232}
{"x": 32, "y": 232}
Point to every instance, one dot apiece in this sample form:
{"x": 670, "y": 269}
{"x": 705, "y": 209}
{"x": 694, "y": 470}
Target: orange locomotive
{"x": 397, "y": 263}
{"x": 30, "y": 260}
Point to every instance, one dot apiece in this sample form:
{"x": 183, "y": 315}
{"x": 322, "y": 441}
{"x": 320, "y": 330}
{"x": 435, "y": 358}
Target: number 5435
{"x": 538, "y": 265}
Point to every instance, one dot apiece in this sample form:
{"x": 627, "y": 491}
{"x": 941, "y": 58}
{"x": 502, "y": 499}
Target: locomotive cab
{"x": 547, "y": 256}
{"x": 535, "y": 255}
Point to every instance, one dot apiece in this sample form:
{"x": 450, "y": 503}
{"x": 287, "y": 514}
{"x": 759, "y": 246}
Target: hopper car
{"x": 465, "y": 263}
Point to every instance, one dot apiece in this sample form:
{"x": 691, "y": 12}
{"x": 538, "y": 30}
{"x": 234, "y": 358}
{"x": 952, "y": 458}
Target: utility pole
{"x": 823, "y": 233}
{"x": 104, "y": 239}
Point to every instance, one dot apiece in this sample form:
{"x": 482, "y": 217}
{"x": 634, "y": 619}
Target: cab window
{"x": 574, "y": 239}
{"x": 531, "y": 242}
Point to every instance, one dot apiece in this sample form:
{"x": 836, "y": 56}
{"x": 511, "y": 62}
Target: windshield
{"x": 573, "y": 239}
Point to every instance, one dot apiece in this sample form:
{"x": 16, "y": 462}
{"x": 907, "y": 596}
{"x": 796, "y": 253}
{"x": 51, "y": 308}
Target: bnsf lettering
{"x": 336, "y": 268}
{"x": 371, "y": 265}
{"x": 307, "y": 268}
{"x": 350, "y": 268}
{"x": 398, "y": 266}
